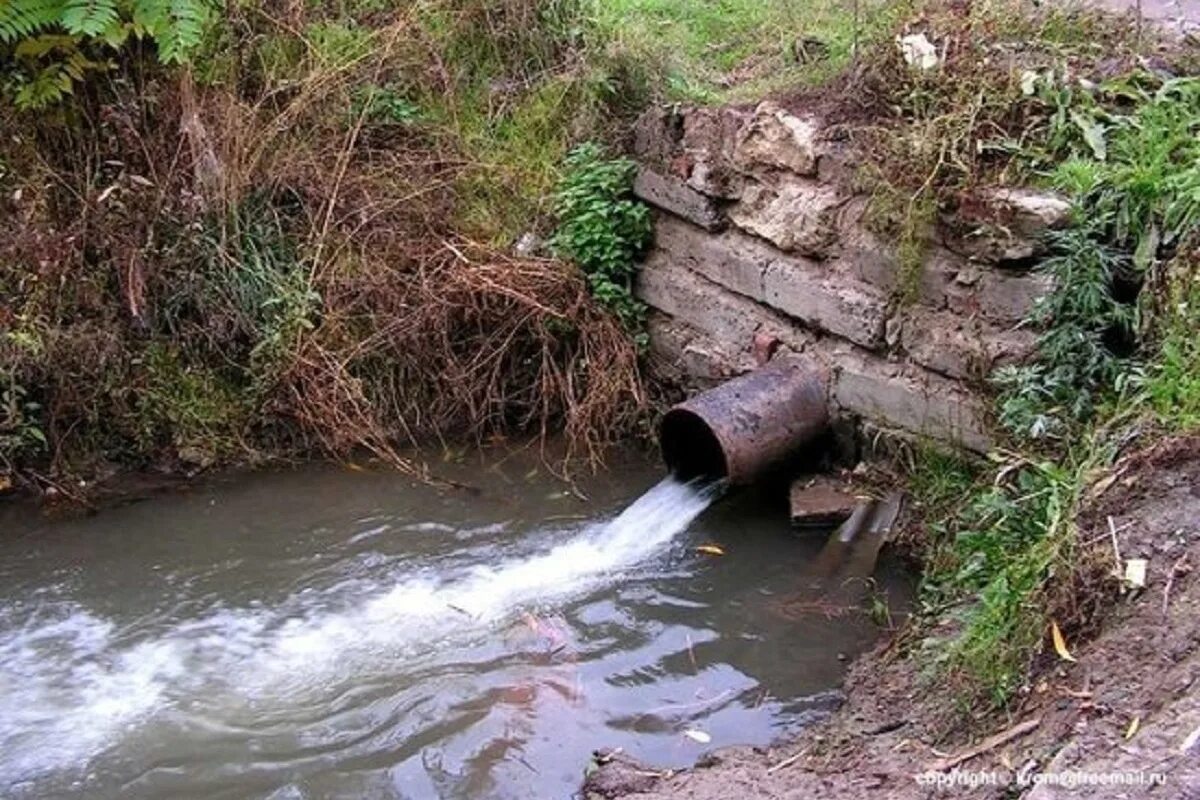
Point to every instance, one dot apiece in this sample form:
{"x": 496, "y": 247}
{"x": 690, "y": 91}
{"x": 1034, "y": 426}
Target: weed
{"x": 1172, "y": 382}
{"x": 1075, "y": 366}
{"x": 20, "y": 427}
{"x": 603, "y": 228}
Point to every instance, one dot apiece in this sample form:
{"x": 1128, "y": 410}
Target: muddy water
{"x": 327, "y": 632}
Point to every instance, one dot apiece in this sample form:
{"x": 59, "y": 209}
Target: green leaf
{"x": 1093, "y": 133}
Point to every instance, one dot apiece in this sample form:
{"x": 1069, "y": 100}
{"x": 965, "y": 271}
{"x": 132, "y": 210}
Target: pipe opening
{"x": 689, "y": 446}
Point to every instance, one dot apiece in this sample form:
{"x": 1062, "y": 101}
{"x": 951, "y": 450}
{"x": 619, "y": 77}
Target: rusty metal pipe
{"x": 743, "y": 427}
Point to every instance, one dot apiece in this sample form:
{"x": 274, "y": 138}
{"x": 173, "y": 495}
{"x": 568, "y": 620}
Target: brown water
{"x": 329, "y": 633}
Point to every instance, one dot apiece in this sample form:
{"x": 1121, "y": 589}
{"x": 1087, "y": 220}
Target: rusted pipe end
{"x": 691, "y": 448}
{"x": 743, "y": 427}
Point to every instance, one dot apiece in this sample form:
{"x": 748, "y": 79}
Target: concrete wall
{"x": 760, "y": 238}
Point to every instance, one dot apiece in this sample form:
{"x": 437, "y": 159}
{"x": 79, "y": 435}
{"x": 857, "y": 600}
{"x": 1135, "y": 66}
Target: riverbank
{"x": 1122, "y": 704}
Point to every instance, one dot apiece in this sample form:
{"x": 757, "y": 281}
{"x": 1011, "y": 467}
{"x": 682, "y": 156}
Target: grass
{"x": 710, "y": 52}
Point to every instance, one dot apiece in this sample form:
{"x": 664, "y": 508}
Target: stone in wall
{"x": 1003, "y": 297}
{"x": 1002, "y": 225}
{"x": 957, "y": 346}
{"x": 776, "y": 139}
{"x": 794, "y": 216}
{"x": 708, "y": 142}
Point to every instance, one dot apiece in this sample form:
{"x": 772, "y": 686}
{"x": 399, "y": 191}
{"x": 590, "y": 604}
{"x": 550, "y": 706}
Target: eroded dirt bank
{"x": 1126, "y": 706}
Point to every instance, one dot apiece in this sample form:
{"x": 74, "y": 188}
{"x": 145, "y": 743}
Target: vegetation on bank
{"x": 1091, "y": 107}
{"x": 249, "y": 229}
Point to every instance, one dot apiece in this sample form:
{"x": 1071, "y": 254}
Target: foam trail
{"x": 71, "y": 683}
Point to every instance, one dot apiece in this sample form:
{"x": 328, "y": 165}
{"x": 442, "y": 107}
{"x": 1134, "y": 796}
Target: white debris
{"x": 918, "y": 51}
{"x": 697, "y": 736}
{"x": 1135, "y": 573}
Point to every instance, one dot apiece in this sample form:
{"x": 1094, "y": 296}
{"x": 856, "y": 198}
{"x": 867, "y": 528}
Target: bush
{"x": 603, "y": 228}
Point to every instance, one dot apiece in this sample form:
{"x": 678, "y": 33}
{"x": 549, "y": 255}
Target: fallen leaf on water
{"x": 711, "y": 549}
{"x": 697, "y": 736}
{"x": 1133, "y": 728}
{"x": 1060, "y": 644}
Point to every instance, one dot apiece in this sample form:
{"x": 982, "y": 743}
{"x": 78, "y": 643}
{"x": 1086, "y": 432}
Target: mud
{"x": 1126, "y": 707}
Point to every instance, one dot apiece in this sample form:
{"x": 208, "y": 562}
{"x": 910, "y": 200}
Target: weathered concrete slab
{"x": 907, "y": 397}
{"x": 672, "y": 194}
{"x": 827, "y": 302}
{"x": 960, "y": 346}
{"x": 735, "y": 261}
{"x": 667, "y": 284}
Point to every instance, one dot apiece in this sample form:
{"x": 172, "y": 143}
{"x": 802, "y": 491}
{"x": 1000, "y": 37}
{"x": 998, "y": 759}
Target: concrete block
{"x": 667, "y": 284}
{"x": 672, "y": 194}
{"x": 906, "y": 397}
{"x": 734, "y": 260}
{"x": 834, "y": 303}
{"x": 960, "y": 346}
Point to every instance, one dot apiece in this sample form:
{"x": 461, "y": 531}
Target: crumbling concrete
{"x": 762, "y": 238}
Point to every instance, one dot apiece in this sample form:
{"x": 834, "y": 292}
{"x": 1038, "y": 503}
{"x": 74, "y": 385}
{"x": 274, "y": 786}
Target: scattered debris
{"x": 990, "y": 743}
{"x": 1132, "y": 730}
{"x": 820, "y": 502}
{"x": 918, "y": 51}
{"x": 1180, "y": 567}
{"x": 1135, "y": 573}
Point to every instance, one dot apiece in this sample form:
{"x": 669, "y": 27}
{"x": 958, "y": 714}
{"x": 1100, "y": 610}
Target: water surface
{"x": 326, "y": 632}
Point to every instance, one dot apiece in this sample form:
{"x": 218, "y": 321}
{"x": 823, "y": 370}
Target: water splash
{"x": 72, "y": 683}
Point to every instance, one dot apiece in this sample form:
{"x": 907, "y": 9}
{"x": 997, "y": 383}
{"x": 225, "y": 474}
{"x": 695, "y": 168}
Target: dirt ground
{"x": 1121, "y": 721}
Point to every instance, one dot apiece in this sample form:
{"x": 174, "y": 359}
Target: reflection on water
{"x": 334, "y": 633}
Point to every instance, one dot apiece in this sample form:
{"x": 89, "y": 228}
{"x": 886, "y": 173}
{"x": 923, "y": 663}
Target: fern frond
{"x": 89, "y": 17}
{"x": 177, "y": 26}
{"x": 21, "y": 18}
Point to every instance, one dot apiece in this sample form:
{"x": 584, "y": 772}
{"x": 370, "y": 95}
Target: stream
{"x": 329, "y": 632}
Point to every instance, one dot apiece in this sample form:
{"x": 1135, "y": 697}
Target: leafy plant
{"x": 20, "y": 431}
{"x": 602, "y": 227}
{"x": 56, "y": 43}
{"x": 1074, "y": 364}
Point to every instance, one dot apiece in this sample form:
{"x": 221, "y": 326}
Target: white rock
{"x": 918, "y": 51}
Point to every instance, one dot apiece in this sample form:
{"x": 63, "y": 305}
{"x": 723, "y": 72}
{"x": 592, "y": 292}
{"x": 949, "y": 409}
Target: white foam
{"x": 69, "y": 686}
